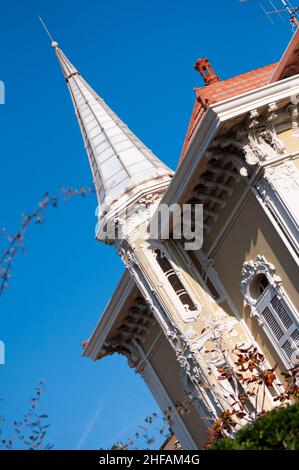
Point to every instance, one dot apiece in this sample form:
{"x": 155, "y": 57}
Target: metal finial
{"x": 53, "y": 43}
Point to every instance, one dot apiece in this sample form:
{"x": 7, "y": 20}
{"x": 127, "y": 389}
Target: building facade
{"x": 240, "y": 161}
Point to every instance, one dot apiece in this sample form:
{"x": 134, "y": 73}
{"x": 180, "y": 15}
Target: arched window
{"x": 268, "y": 302}
{"x": 190, "y": 306}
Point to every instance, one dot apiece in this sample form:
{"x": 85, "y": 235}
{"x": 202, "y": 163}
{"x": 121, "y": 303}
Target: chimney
{"x": 205, "y": 69}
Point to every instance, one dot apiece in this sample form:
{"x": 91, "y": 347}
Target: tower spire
{"x": 123, "y": 167}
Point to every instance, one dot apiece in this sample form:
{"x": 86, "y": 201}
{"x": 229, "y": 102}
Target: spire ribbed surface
{"x": 119, "y": 160}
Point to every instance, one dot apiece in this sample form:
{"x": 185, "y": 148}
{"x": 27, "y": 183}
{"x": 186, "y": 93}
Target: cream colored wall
{"x": 164, "y": 361}
{"x": 291, "y": 141}
{"x": 223, "y": 213}
{"x": 253, "y": 234}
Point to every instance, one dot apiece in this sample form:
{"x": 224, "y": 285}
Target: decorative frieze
{"x": 255, "y": 139}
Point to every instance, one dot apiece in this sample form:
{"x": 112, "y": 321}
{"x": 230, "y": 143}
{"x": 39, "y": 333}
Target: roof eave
{"x": 289, "y": 57}
{"x": 111, "y": 313}
{"x": 216, "y": 115}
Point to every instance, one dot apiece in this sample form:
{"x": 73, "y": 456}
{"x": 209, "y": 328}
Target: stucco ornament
{"x": 131, "y": 222}
{"x": 284, "y": 177}
{"x": 194, "y": 375}
{"x": 185, "y": 357}
{"x": 249, "y": 271}
{"x": 294, "y": 112}
{"x": 262, "y": 140}
{"x": 255, "y": 139}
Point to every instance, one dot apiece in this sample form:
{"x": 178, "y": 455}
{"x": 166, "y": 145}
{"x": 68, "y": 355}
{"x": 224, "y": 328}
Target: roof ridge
{"x": 222, "y": 90}
{"x": 249, "y": 72}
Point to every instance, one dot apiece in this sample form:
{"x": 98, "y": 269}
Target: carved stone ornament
{"x": 149, "y": 199}
{"x": 293, "y": 110}
{"x": 185, "y": 357}
{"x": 127, "y": 222}
{"x": 256, "y": 138}
{"x": 262, "y": 140}
{"x": 194, "y": 380}
{"x": 284, "y": 177}
{"x": 249, "y": 271}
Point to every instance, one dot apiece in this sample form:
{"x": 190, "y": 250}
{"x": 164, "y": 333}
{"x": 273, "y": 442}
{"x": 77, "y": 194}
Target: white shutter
{"x": 282, "y": 327}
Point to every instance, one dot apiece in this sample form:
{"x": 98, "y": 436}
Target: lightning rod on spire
{"x": 53, "y": 43}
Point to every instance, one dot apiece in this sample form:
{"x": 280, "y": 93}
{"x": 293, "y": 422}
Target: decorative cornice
{"x": 131, "y": 333}
{"x": 255, "y": 139}
{"x": 222, "y": 115}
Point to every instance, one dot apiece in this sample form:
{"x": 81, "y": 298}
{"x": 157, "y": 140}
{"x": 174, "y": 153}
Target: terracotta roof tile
{"x": 223, "y": 90}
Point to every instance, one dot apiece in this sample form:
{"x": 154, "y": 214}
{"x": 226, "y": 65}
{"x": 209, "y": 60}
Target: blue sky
{"x": 139, "y": 56}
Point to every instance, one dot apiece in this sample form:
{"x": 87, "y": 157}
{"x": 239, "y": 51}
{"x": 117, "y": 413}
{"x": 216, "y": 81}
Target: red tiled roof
{"x": 223, "y": 90}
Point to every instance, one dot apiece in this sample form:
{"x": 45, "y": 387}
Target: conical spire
{"x": 119, "y": 161}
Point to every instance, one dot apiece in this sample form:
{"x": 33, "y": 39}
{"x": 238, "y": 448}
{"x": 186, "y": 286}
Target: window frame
{"x": 186, "y": 314}
{"x": 258, "y": 307}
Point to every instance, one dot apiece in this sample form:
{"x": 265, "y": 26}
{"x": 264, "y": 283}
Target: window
{"x": 282, "y": 327}
{"x": 177, "y": 285}
{"x": 263, "y": 293}
{"x": 258, "y": 285}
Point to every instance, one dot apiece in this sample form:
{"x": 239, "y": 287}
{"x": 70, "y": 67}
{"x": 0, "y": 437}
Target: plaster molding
{"x": 255, "y": 138}
{"x": 279, "y": 189}
{"x": 293, "y": 110}
{"x": 249, "y": 271}
{"x": 130, "y": 211}
{"x": 185, "y": 313}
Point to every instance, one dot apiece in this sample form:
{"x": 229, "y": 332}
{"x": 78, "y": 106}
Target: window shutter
{"x": 281, "y": 312}
{"x": 282, "y": 327}
{"x": 272, "y": 323}
{"x": 291, "y": 345}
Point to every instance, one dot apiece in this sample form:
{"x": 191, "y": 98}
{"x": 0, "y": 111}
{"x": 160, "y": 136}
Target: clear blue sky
{"x": 139, "y": 56}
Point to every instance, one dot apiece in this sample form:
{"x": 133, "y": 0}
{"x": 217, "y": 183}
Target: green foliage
{"x": 277, "y": 429}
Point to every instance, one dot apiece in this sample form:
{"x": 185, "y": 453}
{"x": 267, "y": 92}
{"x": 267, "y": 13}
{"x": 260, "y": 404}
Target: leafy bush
{"x": 277, "y": 429}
